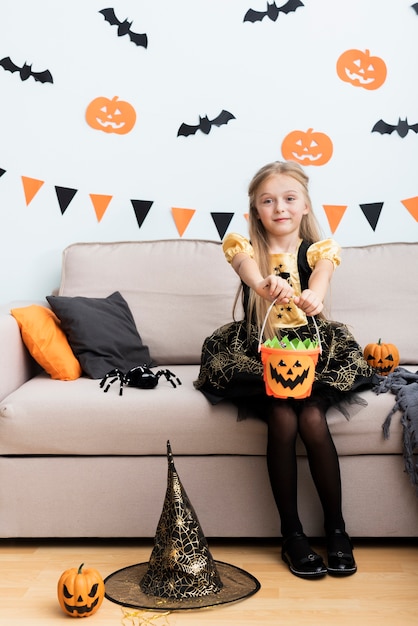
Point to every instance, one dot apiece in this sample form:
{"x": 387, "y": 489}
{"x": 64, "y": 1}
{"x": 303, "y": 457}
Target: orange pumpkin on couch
{"x": 383, "y": 357}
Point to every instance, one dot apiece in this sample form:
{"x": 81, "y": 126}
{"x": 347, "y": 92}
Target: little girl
{"x": 284, "y": 261}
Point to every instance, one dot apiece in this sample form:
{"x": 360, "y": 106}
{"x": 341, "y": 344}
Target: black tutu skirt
{"x": 231, "y": 367}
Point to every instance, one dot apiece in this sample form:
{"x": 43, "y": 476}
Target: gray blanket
{"x": 404, "y": 385}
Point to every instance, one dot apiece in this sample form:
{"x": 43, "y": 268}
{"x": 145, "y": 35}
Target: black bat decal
{"x": 205, "y": 124}
{"x": 124, "y": 28}
{"x": 415, "y": 7}
{"x": 402, "y": 128}
{"x": 272, "y": 11}
{"x": 25, "y": 71}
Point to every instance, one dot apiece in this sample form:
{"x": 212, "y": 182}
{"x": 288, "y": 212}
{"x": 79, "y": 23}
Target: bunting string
{"x": 182, "y": 216}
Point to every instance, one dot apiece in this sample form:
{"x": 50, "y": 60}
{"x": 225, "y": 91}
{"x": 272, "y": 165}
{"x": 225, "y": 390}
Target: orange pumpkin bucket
{"x": 289, "y": 365}
{"x": 289, "y": 373}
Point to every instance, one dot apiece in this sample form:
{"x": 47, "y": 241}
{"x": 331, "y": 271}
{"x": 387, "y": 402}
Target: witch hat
{"x": 181, "y": 572}
{"x": 181, "y": 565}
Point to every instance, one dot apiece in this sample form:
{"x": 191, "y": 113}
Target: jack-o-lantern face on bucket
{"x": 111, "y": 116}
{"x": 80, "y": 592}
{"x": 361, "y": 69}
{"x": 289, "y": 373}
{"x": 307, "y": 147}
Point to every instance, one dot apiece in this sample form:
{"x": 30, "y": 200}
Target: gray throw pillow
{"x": 101, "y": 332}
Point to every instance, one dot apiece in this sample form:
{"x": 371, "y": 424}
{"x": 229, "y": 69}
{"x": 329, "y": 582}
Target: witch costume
{"x": 231, "y": 367}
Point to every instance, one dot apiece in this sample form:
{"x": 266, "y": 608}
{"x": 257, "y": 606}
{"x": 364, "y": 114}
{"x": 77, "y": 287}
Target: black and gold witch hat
{"x": 181, "y": 573}
{"x": 181, "y": 565}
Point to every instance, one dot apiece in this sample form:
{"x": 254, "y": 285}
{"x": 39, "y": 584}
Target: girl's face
{"x": 280, "y": 204}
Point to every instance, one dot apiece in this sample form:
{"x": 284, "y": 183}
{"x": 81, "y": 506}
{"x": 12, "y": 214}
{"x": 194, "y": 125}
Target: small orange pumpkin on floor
{"x": 383, "y": 357}
{"x": 80, "y": 592}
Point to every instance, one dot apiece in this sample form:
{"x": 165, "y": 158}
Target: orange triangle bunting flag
{"x": 334, "y": 215}
{"x": 182, "y": 218}
{"x": 31, "y": 186}
{"x": 100, "y": 204}
{"x": 412, "y": 205}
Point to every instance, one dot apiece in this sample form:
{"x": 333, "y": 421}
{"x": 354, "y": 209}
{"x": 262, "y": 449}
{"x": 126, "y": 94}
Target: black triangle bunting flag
{"x": 222, "y": 221}
{"x": 64, "y": 195}
{"x": 141, "y": 208}
{"x": 372, "y": 212}
{"x": 2, "y": 171}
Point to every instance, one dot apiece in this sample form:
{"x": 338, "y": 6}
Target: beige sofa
{"x": 77, "y": 462}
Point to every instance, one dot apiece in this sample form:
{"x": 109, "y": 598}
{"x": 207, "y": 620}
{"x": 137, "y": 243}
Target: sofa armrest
{"x": 16, "y": 364}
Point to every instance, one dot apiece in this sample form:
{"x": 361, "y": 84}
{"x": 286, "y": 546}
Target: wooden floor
{"x": 384, "y": 592}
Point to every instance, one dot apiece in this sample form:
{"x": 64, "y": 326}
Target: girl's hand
{"x": 274, "y": 288}
{"x": 309, "y": 302}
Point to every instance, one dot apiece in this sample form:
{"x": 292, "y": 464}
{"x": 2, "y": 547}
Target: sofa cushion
{"x": 78, "y": 418}
{"x": 46, "y": 341}
{"x": 178, "y": 290}
{"x": 101, "y": 333}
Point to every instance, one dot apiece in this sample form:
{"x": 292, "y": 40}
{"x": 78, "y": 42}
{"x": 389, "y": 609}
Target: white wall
{"x": 274, "y": 76}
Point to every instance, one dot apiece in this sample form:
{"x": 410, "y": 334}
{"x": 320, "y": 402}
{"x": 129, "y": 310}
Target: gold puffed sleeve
{"x": 235, "y": 243}
{"x": 326, "y": 249}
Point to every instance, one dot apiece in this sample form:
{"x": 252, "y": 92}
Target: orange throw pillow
{"x": 46, "y": 341}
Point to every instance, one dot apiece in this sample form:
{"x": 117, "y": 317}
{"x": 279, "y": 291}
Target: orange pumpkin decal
{"x": 307, "y": 147}
{"x": 361, "y": 70}
{"x": 289, "y": 373}
{"x": 383, "y": 357}
{"x": 111, "y": 116}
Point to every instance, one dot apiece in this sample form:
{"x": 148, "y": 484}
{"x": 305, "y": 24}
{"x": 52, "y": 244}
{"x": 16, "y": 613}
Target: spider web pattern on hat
{"x": 181, "y": 565}
{"x": 181, "y": 573}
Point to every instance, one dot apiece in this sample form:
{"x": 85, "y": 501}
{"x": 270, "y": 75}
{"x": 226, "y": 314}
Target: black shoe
{"x": 340, "y": 554}
{"x": 300, "y": 557}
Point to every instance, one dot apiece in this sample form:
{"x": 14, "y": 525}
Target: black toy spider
{"x": 140, "y": 377}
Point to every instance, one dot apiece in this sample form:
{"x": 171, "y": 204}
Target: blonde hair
{"x": 309, "y": 231}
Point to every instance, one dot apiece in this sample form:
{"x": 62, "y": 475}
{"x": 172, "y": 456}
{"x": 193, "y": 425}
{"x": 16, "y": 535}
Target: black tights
{"x": 285, "y": 421}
